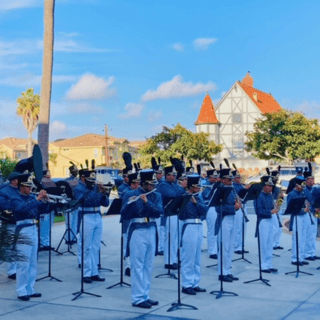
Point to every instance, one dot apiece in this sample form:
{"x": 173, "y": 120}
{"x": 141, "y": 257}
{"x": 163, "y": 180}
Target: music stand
{"x": 114, "y": 209}
{"x": 219, "y": 199}
{"x": 294, "y": 207}
{"x": 79, "y": 293}
{"x": 179, "y": 205}
{"x": 49, "y": 264}
{"x": 168, "y": 212}
{"x": 316, "y": 205}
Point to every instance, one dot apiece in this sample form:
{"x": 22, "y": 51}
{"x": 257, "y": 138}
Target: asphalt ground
{"x": 288, "y": 297}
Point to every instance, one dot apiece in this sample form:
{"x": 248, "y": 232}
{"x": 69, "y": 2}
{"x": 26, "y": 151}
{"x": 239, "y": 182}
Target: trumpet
{"x": 63, "y": 199}
{"x": 136, "y": 198}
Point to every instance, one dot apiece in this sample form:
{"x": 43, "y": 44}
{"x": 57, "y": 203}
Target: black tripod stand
{"x": 121, "y": 283}
{"x": 265, "y": 281}
{"x": 67, "y": 238}
{"x": 49, "y": 264}
{"x": 180, "y": 206}
{"x": 168, "y": 274}
{"x": 79, "y": 293}
{"x": 99, "y": 264}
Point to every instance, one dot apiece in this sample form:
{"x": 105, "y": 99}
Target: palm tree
{"x": 28, "y": 108}
{"x": 46, "y": 84}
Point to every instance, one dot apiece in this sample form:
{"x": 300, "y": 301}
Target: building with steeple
{"x": 233, "y": 116}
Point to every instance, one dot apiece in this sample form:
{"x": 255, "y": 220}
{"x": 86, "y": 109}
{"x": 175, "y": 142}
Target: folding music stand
{"x": 168, "y": 212}
{"x": 219, "y": 199}
{"x": 178, "y": 205}
{"x": 293, "y": 208}
{"x": 114, "y": 209}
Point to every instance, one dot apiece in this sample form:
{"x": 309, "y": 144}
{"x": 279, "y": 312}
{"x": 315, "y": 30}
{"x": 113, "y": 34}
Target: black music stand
{"x": 99, "y": 264}
{"x": 316, "y": 205}
{"x": 115, "y": 208}
{"x": 79, "y": 293}
{"x": 179, "y": 205}
{"x": 168, "y": 212}
{"x": 219, "y": 199}
{"x": 294, "y": 207}
{"x": 49, "y": 264}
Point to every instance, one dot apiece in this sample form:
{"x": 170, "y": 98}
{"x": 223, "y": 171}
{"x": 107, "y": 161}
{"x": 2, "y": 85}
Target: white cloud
{"x": 31, "y": 80}
{"x": 91, "y": 87}
{"x": 203, "y": 43}
{"x": 17, "y": 47}
{"x": 7, "y": 5}
{"x": 133, "y": 110}
{"x": 58, "y": 128}
{"x": 178, "y": 47}
{"x": 176, "y": 88}
{"x": 154, "y": 115}
{"x": 62, "y": 109}
{"x": 310, "y": 108}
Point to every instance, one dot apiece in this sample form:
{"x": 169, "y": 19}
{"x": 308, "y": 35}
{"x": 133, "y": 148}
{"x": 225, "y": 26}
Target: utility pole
{"x": 106, "y": 145}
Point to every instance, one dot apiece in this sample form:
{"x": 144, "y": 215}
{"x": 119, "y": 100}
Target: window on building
{"x": 238, "y": 142}
{"x": 237, "y": 118}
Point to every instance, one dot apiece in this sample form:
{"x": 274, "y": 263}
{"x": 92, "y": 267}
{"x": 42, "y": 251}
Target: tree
{"x": 46, "y": 83}
{"x": 284, "y": 136}
{"x": 28, "y": 108}
{"x": 7, "y": 166}
{"x": 177, "y": 142}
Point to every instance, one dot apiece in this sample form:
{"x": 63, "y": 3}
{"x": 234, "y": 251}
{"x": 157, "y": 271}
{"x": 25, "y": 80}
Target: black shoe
{"x": 279, "y": 248}
{"x": 275, "y": 248}
{"x": 79, "y": 265}
{"x": 35, "y": 295}
{"x": 232, "y": 277}
{"x": 24, "y": 298}
{"x": 310, "y": 258}
{"x": 297, "y": 263}
{"x": 305, "y": 263}
{"x": 190, "y": 291}
{"x": 213, "y": 256}
{"x": 266, "y": 271}
{"x": 225, "y": 278}
{"x": 153, "y": 302}
{"x": 273, "y": 270}
{"x": 198, "y": 289}
{"x": 316, "y": 258}
{"x": 12, "y": 276}
{"x": 144, "y": 305}
{"x": 127, "y": 272}
{"x": 245, "y": 251}
{"x": 87, "y": 280}
{"x": 238, "y": 252}
{"x": 97, "y": 278}
{"x": 160, "y": 253}
{"x": 171, "y": 266}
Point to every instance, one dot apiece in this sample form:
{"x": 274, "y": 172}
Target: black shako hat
{"x": 13, "y": 175}
{"x": 133, "y": 177}
{"x": 301, "y": 183}
{"x": 267, "y": 181}
{"x": 193, "y": 181}
{"x": 26, "y": 179}
{"x": 170, "y": 170}
{"x": 148, "y": 176}
{"x": 90, "y": 175}
{"x": 235, "y": 173}
{"x": 225, "y": 173}
{"x": 308, "y": 174}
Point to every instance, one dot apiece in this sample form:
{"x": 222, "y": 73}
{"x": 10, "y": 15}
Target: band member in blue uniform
{"x": 91, "y": 197}
{"x": 265, "y": 209}
{"x": 298, "y": 192}
{"x": 292, "y": 182}
{"x": 227, "y": 213}
{"x": 142, "y": 213}
{"x": 168, "y": 190}
{"x": 125, "y": 183}
{"x": 8, "y": 192}
{"x": 27, "y": 208}
{"x": 210, "y": 187}
{"x": 192, "y": 237}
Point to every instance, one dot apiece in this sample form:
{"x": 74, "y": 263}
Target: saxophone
{"x": 277, "y": 205}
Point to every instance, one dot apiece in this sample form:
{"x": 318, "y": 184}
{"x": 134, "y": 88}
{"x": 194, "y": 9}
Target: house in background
{"x": 14, "y": 148}
{"x": 234, "y": 115}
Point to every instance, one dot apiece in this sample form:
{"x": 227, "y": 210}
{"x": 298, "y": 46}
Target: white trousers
{"x": 238, "y": 220}
{"x": 173, "y": 241}
{"x": 92, "y": 243}
{"x": 277, "y": 231}
{"x": 45, "y": 227}
{"x": 311, "y": 236}
{"x": 161, "y": 234}
{"x": 11, "y": 266}
{"x": 301, "y": 238}
{"x": 142, "y": 252}
{"x": 227, "y": 230}
{"x": 127, "y": 263}
{"x": 191, "y": 255}
{"x": 27, "y": 270}
{"x": 211, "y": 238}
{"x": 73, "y": 224}
{"x": 266, "y": 242}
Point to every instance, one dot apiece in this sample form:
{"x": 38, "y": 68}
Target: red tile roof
{"x": 207, "y": 113}
{"x": 264, "y": 101}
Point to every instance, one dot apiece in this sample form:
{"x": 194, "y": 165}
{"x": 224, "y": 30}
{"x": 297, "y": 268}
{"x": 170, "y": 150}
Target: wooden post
{"x": 106, "y": 145}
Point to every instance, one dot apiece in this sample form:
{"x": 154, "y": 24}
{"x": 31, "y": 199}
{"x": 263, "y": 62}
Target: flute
{"x": 136, "y": 198}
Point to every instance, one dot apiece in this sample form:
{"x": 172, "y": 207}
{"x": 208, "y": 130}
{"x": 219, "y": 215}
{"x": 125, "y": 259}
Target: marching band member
{"x": 26, "y": 208}
{"x": 125, "y": 184}
{"x": 212, "y": 179}
{"x": 227, "y": 227}
{"x": 298, "y": 192}
{"x": 73, "y": 213}
{"x": 91, "y": 197}
{"x": 265, "y": 210}
{"x": 192, "y": 237}
{"x": 170, "y": 189}
{"x": 292, "y": 182}
{"x": 7, "y": 192}
{"x": 142, "y": 236}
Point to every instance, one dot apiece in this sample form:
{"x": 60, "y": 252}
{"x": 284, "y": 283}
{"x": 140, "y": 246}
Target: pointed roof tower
{"x": 207, "y": 114}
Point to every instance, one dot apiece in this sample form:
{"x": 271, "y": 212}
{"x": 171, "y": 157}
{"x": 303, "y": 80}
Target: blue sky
{"x": 139, "y": 65}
